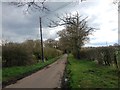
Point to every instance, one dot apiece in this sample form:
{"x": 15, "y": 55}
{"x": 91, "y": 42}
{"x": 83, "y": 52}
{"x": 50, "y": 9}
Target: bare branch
{"x": 31, "y": 5}
{"x": 83, "y": 0}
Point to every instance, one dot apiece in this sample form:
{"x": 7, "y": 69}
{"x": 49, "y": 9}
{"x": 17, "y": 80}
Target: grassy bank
{"x": 87, "y": 74}
{"x": 13, "y": 73}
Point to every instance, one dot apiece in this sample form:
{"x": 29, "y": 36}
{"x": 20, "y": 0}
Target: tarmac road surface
{"x": 49, "y": 77}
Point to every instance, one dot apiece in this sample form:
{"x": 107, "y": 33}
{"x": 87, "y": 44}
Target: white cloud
{"x": 102, "y": 14}
{"x": 51, "y": 32}
{"x": 105, "y": 15}
{"x": 107, "y": 36}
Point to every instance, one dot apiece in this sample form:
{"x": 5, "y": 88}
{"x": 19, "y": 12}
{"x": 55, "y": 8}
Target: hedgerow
{"x": 26, "y": 53}
{"x": 102, "y": 55}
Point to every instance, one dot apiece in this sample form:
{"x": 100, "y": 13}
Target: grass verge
{"x": 88, "y": 74}
{"x": 11, "y": 74}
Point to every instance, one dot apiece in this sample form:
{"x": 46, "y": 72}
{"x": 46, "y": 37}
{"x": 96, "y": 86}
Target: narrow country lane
{"x": 49, "y": 77}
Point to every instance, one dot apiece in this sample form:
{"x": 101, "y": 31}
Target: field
{"x": 88, "y": 74}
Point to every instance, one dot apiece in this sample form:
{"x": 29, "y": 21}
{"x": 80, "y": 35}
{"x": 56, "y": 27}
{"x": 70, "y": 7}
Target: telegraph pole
{"x": 41, "y": 40}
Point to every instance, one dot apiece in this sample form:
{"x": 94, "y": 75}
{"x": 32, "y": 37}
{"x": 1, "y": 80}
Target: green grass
{"x": 16, "y": 72}
{"x": 87, "y": 74}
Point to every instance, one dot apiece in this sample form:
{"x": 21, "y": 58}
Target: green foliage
{"x": 103, "y": 55}
{"x": 51, "y": 52}
{"x": 26, "y": 53}
{"x": 75, "y": 34}
{"x": 88, "y": 74}
{"x": 16, "y": 55}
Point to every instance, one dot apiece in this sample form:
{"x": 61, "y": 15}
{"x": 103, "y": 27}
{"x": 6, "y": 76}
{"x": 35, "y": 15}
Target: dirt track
{"x": 49, "y": 77}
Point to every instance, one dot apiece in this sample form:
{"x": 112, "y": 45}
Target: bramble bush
{"x": 14, "y": 54}
{"x": 103, "y": 55}
{"x": 26, "y": 53}
{"x": 51, "y": 52}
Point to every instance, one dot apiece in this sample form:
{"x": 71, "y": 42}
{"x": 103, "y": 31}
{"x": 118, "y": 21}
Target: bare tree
{"x": 33, "y": 5}
{"x": 75, "y": 33}
{"x": 117, "y": 2}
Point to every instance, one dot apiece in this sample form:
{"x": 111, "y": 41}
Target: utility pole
{"x": 41, "y": 40}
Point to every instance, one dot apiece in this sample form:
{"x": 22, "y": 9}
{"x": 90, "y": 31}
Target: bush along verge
{"x": 108, "y": 56}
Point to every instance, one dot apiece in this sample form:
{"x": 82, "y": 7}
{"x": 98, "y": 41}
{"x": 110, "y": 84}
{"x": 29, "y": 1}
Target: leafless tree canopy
{"x": 32, "y": 6}
{"x": 117, "y": 2}
{"x": 75, "y": 33}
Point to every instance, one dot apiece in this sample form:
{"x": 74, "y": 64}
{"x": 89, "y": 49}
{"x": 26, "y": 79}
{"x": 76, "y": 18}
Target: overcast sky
{"x": 18, "y": 26}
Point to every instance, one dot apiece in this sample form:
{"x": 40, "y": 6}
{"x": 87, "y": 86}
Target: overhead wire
{"x": 52, "y": 12}
{"x": 59, "y": 8}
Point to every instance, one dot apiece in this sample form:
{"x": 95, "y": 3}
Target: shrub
{"x": 103, "y": 55}
{"x": 51, "y": 53}
{"x": 16, "y": 55}
{"x": 26, "y": 53}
